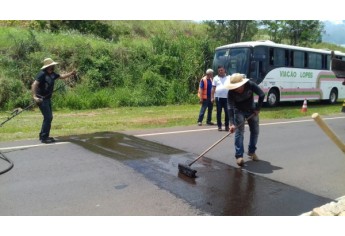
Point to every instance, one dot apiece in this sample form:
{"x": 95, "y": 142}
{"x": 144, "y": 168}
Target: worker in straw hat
{"x": 42, "y": 91}
{"x": 241, "y": 105}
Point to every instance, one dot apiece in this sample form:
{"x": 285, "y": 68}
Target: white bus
{"x": 284, "y": 72}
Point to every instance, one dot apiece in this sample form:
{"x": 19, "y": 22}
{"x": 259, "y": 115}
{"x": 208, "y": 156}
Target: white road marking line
{"x": 173, "y": 132}
{"x": 31, "y": 146}
{"x": 302, "y": 121}
{"x": 264, "y": 124}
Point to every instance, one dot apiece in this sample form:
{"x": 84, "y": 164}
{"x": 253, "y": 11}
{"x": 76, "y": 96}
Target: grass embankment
{"x": 67, "y": 122}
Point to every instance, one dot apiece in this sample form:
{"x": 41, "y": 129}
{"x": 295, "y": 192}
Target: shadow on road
{"x": 262, "y": 167}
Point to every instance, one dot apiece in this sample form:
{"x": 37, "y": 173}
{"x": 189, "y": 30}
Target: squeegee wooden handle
{"x": 328, "y": 131}
{"x": 208, "y": 149}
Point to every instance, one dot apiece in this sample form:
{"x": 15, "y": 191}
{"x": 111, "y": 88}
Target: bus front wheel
{"x": 273, "y": 98}
{"x": 333, "y": 96}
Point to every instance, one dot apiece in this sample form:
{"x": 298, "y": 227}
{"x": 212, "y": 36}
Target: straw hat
{"x": 48, "y": 62}
{"x": 236, "y": 80}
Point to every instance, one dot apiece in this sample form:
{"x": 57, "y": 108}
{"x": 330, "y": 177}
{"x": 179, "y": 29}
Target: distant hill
{"x": 334, "y": 33}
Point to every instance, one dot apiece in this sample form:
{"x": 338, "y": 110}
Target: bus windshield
{"x": 234, "y": 60}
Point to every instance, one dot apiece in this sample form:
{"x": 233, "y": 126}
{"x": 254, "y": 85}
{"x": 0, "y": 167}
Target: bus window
{"x": 271, "y": 56}
{"x": 298, "y": 59}
{"x": 315, "y": 60}
{"x": 279, "y": 57}
{"x": 261, "y": 59}
{"x": 287, "y": 58}
{"x": 260, "y": 54}
{"x": 241, "y": 58}
{"x": 324, "y": 62}
{"x": 234, "y": 60}
{"x": 220, "y": 58}
{"x": 328, "y": 61}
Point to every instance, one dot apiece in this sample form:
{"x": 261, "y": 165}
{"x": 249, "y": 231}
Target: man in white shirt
{"x": 220, "y": 95}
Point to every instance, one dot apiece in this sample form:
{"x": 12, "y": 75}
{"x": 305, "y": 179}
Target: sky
{"x": 334, "y": 32}
{"x": 169, "y": 10}
{"x": 337, "y": 22}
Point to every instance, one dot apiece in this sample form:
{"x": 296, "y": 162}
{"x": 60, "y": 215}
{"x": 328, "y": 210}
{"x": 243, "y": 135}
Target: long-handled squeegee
{"x": 188, "y": 171}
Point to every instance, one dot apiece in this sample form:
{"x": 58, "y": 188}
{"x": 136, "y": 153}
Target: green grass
{"x": 67, "y": 122}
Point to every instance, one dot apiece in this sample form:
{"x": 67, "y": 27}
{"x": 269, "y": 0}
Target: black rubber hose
{"x": 2, "y": 156}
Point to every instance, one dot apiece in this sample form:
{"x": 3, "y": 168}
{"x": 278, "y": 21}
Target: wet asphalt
{"x": 219, "y": 189}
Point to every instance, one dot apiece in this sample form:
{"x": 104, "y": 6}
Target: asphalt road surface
{"x": 135, "y": 173}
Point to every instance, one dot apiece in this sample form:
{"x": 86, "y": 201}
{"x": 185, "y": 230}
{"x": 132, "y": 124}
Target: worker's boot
{"x": 239, "y": 161}
{"x": 253, "y": 156}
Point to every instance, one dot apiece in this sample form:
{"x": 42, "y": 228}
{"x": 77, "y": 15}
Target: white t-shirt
{"x": 219, "y": 82}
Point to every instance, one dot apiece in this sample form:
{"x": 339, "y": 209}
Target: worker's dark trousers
{"x": 222, "y": 104}
{"x": 46, "y": 110}
{"x": 206, "y": 104}
{"x": 253, "y": 124}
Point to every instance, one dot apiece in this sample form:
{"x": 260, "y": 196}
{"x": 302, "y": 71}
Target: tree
{"x": 294, "y": 32}
{"x": 274, "y": 29}
{"x": 304, "y": 32}
{"x": 232, "y": 31}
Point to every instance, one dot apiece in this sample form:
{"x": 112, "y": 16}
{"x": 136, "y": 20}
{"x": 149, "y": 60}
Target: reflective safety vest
{"x": 204, "y": 90}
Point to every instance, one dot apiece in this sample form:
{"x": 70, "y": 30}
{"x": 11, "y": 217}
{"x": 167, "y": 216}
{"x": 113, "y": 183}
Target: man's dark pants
{"x": 47, "y": 112}
{"x": 206, "y": 103}
{"x": 222, "y": 104}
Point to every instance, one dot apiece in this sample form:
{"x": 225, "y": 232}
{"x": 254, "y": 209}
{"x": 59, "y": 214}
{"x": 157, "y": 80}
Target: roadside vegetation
{"x": 139, "y": 66}
{"x": 128, "y": 63}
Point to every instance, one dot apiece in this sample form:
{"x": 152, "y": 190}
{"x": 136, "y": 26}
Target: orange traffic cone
{"x": 304, "y": 107}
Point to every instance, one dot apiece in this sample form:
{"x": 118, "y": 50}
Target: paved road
{"x": 135, "y": 173}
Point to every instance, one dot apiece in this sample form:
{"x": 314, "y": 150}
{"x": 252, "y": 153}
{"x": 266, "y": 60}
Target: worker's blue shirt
{"x": 46, "y": 83}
